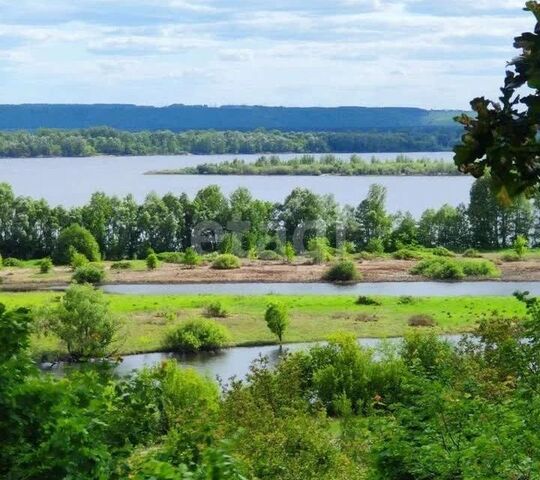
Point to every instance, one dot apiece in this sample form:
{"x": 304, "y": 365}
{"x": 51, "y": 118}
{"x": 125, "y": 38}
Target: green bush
{"x": 45, "y": 265}
{"x": 269, "y": 255}
{"x": 78, "y": 260}
{"x": 226, "y": 261}
{"x": 215, "y": 310}
{"x": 191, "y": 257}
{"x": 75, "y": 238}
{"x": 171, "y": 257}
{"x": 472, "y": 253}
{"x": 343, "y": 271}
{"x": 319, "y": 250}
{"x": 375, "y": 246}
{"x": 122, "y": 265}
{"x": 89, "y": 274}
{"x": 408, "y": 254}
{"x": 152, "y": 261}
{"x": 406, "y": 300}
{"x": 520, "y": 245}
{"x": 511, "y": 257}
{"x": 289, "y": 252}
{"x": 453, "y": 269}
{"x": 277, "y": 320}
{"x": 421, "y": 321}
{"x": 442, "y": 252}
{"x": 368, "y": 301}
{"x": 12, "y": 262}
{"x": 197, "y": 335}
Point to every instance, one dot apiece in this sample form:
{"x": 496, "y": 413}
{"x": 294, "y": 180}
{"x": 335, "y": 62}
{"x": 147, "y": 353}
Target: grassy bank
{"x": 147, "y": 318}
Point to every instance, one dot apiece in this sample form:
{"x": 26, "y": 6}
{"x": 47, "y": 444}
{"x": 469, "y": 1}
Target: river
{"x": 71, "y": 181}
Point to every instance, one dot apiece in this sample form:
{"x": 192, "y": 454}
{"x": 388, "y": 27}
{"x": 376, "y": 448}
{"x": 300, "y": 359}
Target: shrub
{"x": 269, "y": 255}
{"x": 171, "y": 257}
{"x": 319, "y": 250}
{"x": 78, "y": 260}
{"x": 122, "y": 265}
{"x": 12, "y": 262}
{"x": 152, "y": 261}
{"x": 366, "y": 300}
{"x": 406, "y": 300}
{"x": 89, "y": 274}
{"x": 472, "y": 253}
{"x": 511, "y": 257}
{"x": 191, "y": 257}
{"x": 45, "y": 265}
{"x": 289, "y": 252}
{"x": 277, "y": 320}
{"x": 83, "y": 322}
{"x": 75, "y": 238}
{"x": 226, "y": 261}
{"x": 343, "y": 271}
{"x": 215, "y": 310}
{"x": 520, "y": 246}
{"x": 480, "y": 268}
{"x": 421, "y": 321}
{"x": 439, "y": 269}
{"x": 442, "y": 252}
{"x": 197, "y": 335}
{"x": 407, "y": 254}
{"x": 375, "y": 246}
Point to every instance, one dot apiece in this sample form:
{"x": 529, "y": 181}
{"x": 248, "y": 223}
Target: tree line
{"x": 123, "y": 228}
{"x": 108, "y": 141}
{"x": 326, "y": 165}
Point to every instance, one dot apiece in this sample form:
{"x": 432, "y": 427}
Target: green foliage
{"x": 82, "y": 321}
{"x": 122, "y": 265}
{"x": 277, "y": 320}
{"x": 77, "y": 260}
{"x": 152, "y": 261}
{"x": 91, "y": 274}
{"x": 196, "y": 335}
{"x": 520, "y": 245}
{"x": 408, "y": 254}
{"x": 369, "y": 301}
{"x": 191, "y": 257}
{"x": 442, "y": 252}
{"x": 342, "y": 271}
{"x": 171, "y": 257}
{"x": 45, "y": 265}
{"x": 226, "y": 262}
{"x": 421, "y": 321}
{"x": 319, "y": 250}
{"x": 472, "y": 253}
{"x": 270, "y": 255}
{"x": 375, "y": 246}
{"x": 215, "y": 310}
{"x": 503, "y": 138}
{"x": 454, "y": 269}
{"x": 289, "y": 252}
{"x": 12, "y": 262}
{"x": 75, "y": 238}
{"x": 511, "y": 257}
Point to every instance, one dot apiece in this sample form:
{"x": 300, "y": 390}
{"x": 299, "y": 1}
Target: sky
{"x": 433, "y": 54}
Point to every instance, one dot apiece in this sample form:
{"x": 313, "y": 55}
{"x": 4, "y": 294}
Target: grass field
{"x": 147, "y": 318}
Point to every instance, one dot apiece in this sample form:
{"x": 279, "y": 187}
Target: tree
{"x": 277, "y": 320}
{"x": 520, "y": 245}
{"x": 83, "y": 322}
{"x": 372, "y": 219}
{"x": 503, "y": 138}
{"x": 75, "y": 238}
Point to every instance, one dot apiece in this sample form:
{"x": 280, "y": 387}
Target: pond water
{"x": 71, "y": 181}
{"x": 418, "y": 289}
{"x": 228, "y": 363}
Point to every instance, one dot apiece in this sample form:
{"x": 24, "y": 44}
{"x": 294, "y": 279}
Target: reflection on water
{"x": 71, "y": 181}
{"x": 228, "y": 363}
{"x": 417, "y": 289}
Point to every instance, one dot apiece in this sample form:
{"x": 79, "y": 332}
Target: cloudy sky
{"x": 426, "y": 53}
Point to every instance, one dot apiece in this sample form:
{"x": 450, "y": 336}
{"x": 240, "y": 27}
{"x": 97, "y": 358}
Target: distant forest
{"x": 108, "y": 141}
{"x": 179, "y": 118}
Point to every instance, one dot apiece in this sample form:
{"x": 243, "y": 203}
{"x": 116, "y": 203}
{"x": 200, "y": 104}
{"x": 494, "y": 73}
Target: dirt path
{"x": 383, "y": 270}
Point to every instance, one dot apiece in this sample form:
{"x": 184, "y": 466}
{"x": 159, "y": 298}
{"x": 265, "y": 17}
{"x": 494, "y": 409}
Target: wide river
{"x": 71, "y": 181}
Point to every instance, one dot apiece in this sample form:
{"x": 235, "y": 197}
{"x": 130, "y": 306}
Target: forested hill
{"x": 243, "y": 118}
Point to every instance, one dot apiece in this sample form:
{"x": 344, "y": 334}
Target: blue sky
{"x": 425, "y": 53}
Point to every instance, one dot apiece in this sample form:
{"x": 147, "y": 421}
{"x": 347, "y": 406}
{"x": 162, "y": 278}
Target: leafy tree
{"x": 83, "y": 322}
{"x": 152, "y": 261}
{"x": 371, "y": 216}
{"x": 277, "y": 320}
{"x": 75, "y": 238}
{"x": 504, "y": 137}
